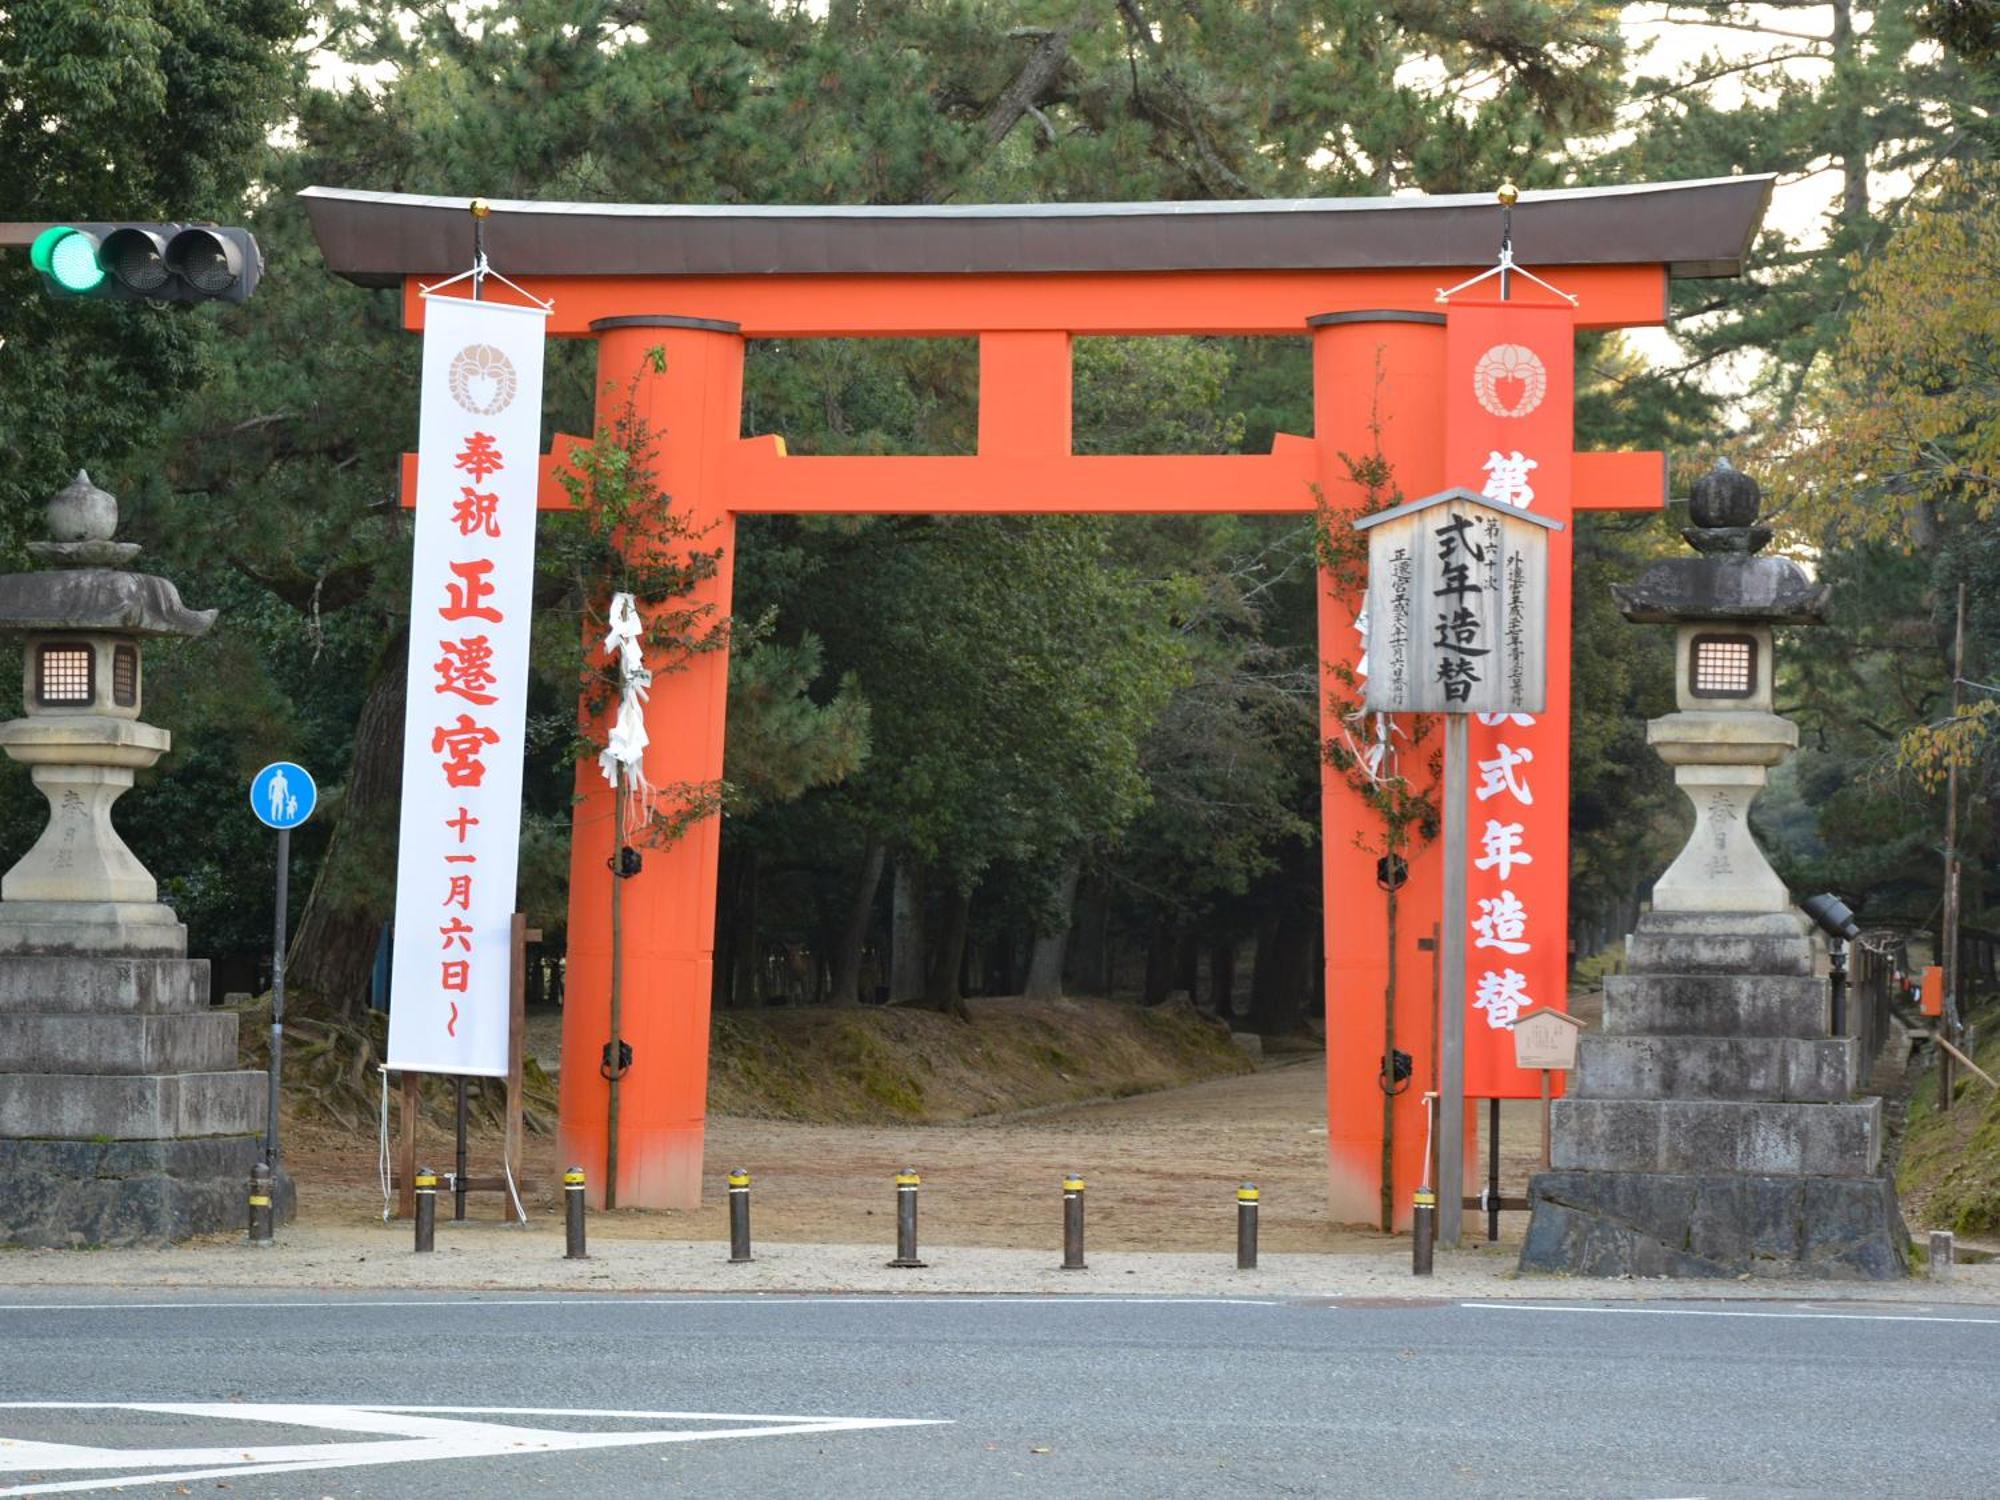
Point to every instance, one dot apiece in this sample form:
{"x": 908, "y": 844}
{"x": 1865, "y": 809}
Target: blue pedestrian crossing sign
{"x": 283, "y": 794}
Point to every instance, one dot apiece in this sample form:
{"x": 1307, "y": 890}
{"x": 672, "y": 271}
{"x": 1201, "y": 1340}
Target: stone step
{"x": 87, "y": 929}
{"x": 103, "y": 985}
{"x": 1707, "y": 1135}
{"x": 1714, "y": 1225}
{"x": 1714, "y": 1067}
{"x": 133, "y": 1107}
{"x": 1716, "y": 1005}
{"x": 181, "y": 1042}
{"x": 69, "y": 1194}
{"x": 1720, "y": 943}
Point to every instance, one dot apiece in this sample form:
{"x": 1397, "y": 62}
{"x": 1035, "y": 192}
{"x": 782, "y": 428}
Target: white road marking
{"x": 612, "y": 1299}
{"x": 417, "y": 1434}
{"x": 1717, "y": 1312}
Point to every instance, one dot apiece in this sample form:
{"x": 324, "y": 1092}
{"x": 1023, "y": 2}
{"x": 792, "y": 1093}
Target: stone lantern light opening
{"x": 1711, "y": 1127}
{"x": 123, "y": 1116}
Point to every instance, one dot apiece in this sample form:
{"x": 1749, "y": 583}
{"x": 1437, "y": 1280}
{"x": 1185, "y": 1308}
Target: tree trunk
{"x": 333, "y": 951}
{"x": 1160, "y": 950}
{"x": 847, "y": 959}
{"x": 1282, "y": 977}
{"x": 1187, "y": 964}
{"x": 1045, "y": 964}
{"x": 944, "y": 991}
{"x": 906, "y": 935}
{"x": 1001, "y": 978}
{"x": 747, "y": 984}
{"x": 1089, "y": 967}
{"x": 1222, "y": 979}
{"x": 1852, "y": 125}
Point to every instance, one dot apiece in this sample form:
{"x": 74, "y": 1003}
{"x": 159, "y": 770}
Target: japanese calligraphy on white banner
{"x": 479, "y": 448}
{"x": 1510, "y": 375}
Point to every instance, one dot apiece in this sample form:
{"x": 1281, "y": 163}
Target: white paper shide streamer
{"x": 626, "y": 746}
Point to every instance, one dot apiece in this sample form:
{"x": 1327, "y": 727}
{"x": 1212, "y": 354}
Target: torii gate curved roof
{"x": 1698, "y": 228}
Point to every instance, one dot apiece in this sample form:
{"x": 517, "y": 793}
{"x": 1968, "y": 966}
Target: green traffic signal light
{"x": 149, "y": 262}
{"x": 68, "y": 257}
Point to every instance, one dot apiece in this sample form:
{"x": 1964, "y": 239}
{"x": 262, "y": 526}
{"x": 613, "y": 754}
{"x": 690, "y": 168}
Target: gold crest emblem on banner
{"x": 483, "y": 382}
{"x": 1510, "y": 380}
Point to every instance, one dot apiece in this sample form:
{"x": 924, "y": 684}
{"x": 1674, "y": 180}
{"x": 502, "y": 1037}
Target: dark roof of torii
{"x": 1693, "y": 228}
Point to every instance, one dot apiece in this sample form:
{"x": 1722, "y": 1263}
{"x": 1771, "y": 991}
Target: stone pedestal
{"x": 1710, "y": 1128}
{"x": 123, "y": 1116}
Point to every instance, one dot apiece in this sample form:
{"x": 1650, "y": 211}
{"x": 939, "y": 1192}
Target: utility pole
{"x": 1952, "y": 1026}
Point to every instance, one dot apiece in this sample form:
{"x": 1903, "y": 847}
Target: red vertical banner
{"x": 1510, "y": 388}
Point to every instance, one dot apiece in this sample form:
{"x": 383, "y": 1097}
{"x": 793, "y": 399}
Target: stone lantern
{"x": 1711, "y": 1127}
{"x": 123, "y": 1116}
{"x": 79, "y": 889}
{"x": 1723, "y": 605}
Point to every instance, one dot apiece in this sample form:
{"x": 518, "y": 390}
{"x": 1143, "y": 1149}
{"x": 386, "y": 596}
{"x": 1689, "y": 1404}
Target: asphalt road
{"x": 716, "y": 1396}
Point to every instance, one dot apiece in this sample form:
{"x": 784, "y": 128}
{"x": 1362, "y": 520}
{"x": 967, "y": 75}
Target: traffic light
{"x": 148, "y": 262}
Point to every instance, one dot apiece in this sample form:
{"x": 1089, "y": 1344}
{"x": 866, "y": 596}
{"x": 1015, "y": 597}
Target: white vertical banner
{"x": 472, "y": 579}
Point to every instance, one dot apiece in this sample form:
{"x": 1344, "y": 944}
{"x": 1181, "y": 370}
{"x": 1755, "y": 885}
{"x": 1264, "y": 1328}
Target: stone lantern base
{"x": 1710, "y": 1128}
{"x": 123, "y": 1117}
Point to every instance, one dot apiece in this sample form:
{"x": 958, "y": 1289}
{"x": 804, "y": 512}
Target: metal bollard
{"x": 1073, "y": 1224}
{"x": 427, "y": 1210}
{"x": 1246, "y": 1227}
{"x": 906, "y": 1219}
{"x": 260, "y": 1204}
{"x": 739, "y": 1217}
{"x": 1423, "y": 1232}
{"x": 573, "y": 1181}
{"x": 1943, "y": 1254}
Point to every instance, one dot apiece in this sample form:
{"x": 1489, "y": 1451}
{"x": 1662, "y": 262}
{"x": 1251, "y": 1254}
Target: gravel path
{"x": 1162, "y": 1170}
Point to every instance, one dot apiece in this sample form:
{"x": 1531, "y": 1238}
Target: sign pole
{"x": 1545, "y": 1119}
{"x": 277, "y": 1002}
{"x": 1451, "y": 999}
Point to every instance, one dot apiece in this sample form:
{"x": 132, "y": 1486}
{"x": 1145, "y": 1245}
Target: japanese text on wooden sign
{"x": 479, "y": 446}
{"x": 1457, "y": 607}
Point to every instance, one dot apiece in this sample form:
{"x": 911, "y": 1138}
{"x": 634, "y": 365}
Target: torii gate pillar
{"x": 683, "y": 378}
{"x": 1378, "y": 379}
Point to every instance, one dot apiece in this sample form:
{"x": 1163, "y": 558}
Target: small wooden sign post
{"x": 1457, "y": 625}
{"x": 1546, "y": 1039}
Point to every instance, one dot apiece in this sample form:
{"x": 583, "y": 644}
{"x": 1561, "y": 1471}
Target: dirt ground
{"x": 1162, "y": 1170}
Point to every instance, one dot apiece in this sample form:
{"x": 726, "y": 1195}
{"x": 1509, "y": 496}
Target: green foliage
{"x": 781, "y": 743}
{"x": 1901, "y": 438}
{"x": 1845, "y": 95}
{"x": 119, "y": 109}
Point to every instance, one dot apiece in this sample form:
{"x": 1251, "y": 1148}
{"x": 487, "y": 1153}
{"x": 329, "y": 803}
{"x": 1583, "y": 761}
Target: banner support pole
{"x": 614, "y": 1053}
{"x": 1451, "y": 995}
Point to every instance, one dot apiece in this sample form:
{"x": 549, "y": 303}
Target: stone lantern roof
{"x": 1728, "y": 581}
{"x": 90, "y": 587}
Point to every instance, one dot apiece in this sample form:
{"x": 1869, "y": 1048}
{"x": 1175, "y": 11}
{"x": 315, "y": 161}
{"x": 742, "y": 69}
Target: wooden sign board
{"x": 1457, "y": 606}
{"x": 1546, "y": 1039}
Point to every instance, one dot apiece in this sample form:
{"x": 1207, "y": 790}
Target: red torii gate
{"x": 1359, "y": 276}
